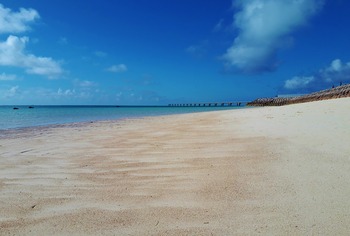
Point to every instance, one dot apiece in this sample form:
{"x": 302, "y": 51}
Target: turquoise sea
{"x": 52, "y": 115}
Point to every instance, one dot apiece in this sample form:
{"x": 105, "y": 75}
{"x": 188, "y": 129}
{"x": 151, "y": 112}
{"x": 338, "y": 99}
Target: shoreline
{"x": 115, "y": 116}
{"x": 18, "y": 131}
{"x": 272, "y": 170}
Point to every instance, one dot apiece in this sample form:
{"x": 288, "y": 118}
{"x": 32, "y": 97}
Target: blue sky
{"x": 146, "y": 52}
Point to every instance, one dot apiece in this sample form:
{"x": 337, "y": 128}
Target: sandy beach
{"x": 261, "y": 171}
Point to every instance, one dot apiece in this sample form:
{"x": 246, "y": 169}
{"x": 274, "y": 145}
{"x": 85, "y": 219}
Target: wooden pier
{"x": 208, "y": 104}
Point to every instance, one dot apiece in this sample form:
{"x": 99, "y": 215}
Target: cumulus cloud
{"x": 337, "y": 72}
{"x": 262, "y": 26}
{"x": 84, "y": 83}
{"x": 63, "y": 41}
{"x": 219, "y": 26}
{"x": 67, "y": 92}
{"x": 199, "y": 50}
{"x": 12, "y": 53}
{"x": 138, "y": 97}
{"x": 117, "y": 68}
{"x": 6, "y": 77}
{"x": 100, "y": 54}
{"x": 16, "y": 22}
{"x": 298, "y": 82}
{"x": 11, "y": 92}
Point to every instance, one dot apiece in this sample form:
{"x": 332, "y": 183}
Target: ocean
{"x": 24, "y": 116}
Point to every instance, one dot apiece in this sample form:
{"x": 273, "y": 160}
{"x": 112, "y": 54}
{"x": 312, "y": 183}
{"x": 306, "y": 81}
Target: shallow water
{"x": 51, "y": 115}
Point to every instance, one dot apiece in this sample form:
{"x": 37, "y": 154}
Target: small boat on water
{"x": 15, "y": 108}
{"x": 30, "y": 107}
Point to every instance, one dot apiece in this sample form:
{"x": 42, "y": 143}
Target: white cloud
{"x": 117, "y": 68}
{"x": 84, "y": 83}
{"x": 63, "y": 41}
{"x": 262, "y": 26}
{"x": 219, "y": 26}
{"x": 336, "y": 65}
{"x": 6, "y": 77}
{"x": 337, "y": 71}
{"x": 198, "y": 50}
{"x": 100, "y": 54}
{"x": 333, "y": 74}
{"x": 16, "y": 22}
{"x": 67, "y": 92}
{"x": 298, "y": 82}
{"x": 12, "y": 53}
{"x": 12, "y": 92}
{"x": 83, "y": 90}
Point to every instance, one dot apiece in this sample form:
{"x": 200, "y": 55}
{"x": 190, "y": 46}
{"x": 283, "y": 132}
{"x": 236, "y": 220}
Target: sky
{"x": 153, "y": 52}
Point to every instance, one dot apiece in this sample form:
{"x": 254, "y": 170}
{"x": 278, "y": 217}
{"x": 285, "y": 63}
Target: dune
{"x": 267, "y": 170}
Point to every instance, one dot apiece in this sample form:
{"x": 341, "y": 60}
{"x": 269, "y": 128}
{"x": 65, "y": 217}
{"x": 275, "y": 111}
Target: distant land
{"x": 337, "y": 92}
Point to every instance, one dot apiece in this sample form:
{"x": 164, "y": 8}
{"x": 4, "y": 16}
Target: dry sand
{"x": 270, "y": 171}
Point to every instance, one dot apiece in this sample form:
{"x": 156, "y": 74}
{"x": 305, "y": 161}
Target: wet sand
{"x": 269, "y": 171}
